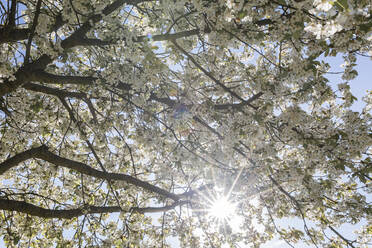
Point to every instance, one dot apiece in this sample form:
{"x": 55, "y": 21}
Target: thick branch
{"x": 45, "y": 77}
{"x": 27, "y": 208}
{"x": 24, "y": 207}
{"x": 23, "y": 74}
{"x": 19, "y": 158}
{"x": 53, "y": 91}
{"x": 12, "y": 14}
{"x": 79, "y": 34}
{"x": 12, "y": 35}
{"x": 43, "y": 153}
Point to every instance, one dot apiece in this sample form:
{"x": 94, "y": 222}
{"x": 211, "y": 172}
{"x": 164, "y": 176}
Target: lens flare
{"x": 222, "y": 208}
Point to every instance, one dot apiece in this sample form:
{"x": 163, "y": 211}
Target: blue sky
{"x": 360, "y": 84}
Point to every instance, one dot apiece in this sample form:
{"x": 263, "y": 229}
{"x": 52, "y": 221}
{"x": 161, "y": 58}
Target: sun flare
{"x": 222, "y": 208}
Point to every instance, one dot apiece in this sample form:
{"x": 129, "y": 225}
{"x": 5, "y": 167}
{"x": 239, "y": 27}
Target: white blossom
{"x": 323, "y": 5}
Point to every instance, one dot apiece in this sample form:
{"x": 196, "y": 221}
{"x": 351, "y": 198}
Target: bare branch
{"x": 348, "y": 242}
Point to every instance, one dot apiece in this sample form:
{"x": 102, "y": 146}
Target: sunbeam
{"x": 222, "y": 208}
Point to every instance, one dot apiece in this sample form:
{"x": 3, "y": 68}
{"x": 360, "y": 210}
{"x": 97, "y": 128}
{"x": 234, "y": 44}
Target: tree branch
{"x": 13, "y": 35}
{"x": 174, "y": 36}
{"x": 28, "y": 208}
{"x": 53, "y": 91}
{"x": 158, "y": 209}
{"x": 24, "y": 207}
{"x": 297, "y": 205}
{"x": 76, "y": 38}
{"x": 208, "y": 74}
{"x": 85, "y": 80}
{"x": 45, "y": 77}
{"x": 19, "y": 158}
{"x": 159, "y": 37}
{"x": 43, "y": 153}
{"x": 12, "y": 14}
{"x": 169, "y": 102}
{"x": 23, "y": 73}
{"x": 348, "y": 242}
{"x": 239, "y": 105}
{"x": 32, "y": 31}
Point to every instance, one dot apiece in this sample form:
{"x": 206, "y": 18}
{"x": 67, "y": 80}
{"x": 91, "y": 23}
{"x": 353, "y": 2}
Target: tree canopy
{"x": 124, "y": 122}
